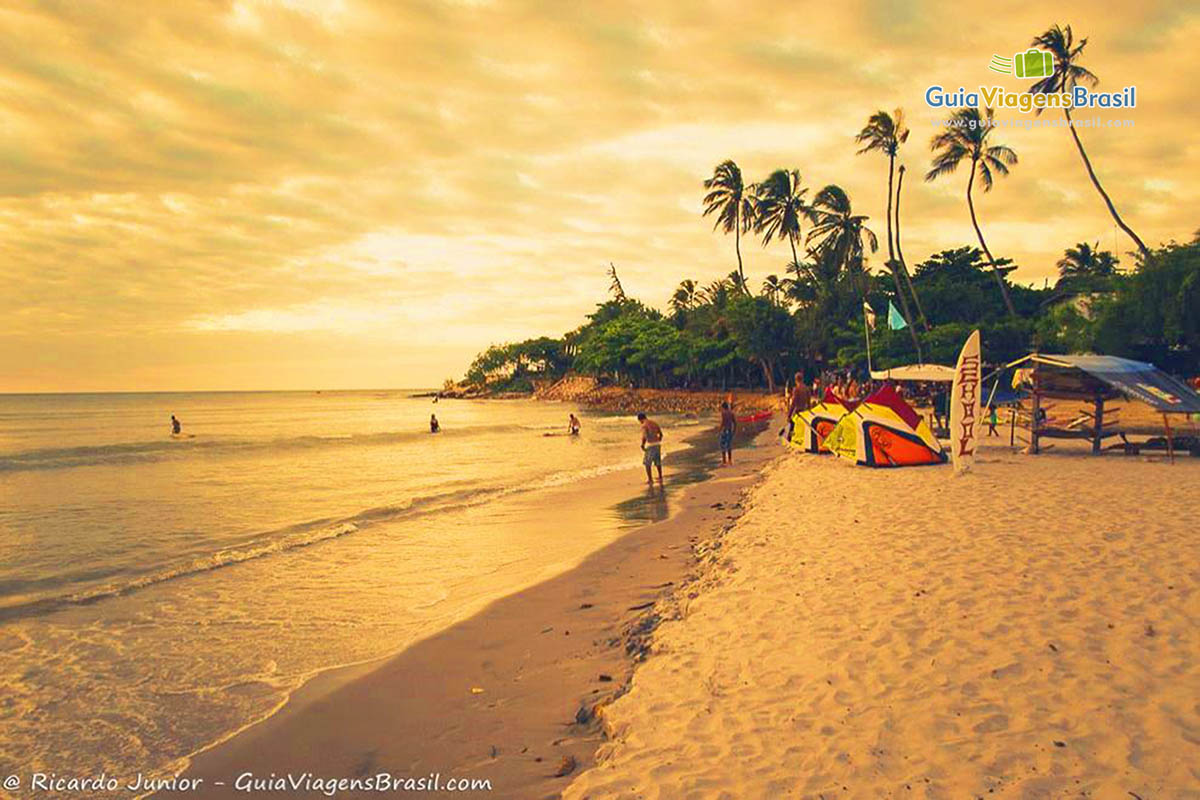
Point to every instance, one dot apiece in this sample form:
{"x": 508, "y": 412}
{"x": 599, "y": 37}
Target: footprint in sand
{"x": 993, "y": 724}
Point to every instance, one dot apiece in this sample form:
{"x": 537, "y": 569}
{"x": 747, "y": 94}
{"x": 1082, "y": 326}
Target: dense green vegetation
{"x": 813, "y": 317}
{"x": 718, "y": 335}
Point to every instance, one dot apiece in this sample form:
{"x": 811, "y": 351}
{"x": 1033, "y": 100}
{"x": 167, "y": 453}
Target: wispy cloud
{"x": 275, "y": 192}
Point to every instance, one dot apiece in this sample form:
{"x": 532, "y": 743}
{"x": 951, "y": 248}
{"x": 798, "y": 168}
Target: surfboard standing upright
{"x": 964, "y": 405}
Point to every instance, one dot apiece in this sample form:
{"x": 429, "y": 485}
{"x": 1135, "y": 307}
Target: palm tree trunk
{"x": 768, "y": 374}
{"x": 900, "y": 256}
{"x": 893, "y": 267}
{"x": 737, "y": 246}
{"x": 1087, "y": 162}
{"x": 995, "y": 270}
{"x": 912, "y": 329}
{"x": 891, "y": 175}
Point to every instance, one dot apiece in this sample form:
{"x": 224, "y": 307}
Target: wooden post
{"x": 1012, "y": 425}
{"x": 1099, "y": 421}
{"x": 1170, "y": 444}
{"x": 1037, "y": 407}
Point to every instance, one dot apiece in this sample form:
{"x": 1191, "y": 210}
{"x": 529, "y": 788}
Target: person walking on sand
{"x": 725, "y": 438}
{"x": 434, "y": 427}
{"x": 799, "y": 400}
{"x": 652, "y": 436}
{"x": 176, "y": 426}
{"x": 573, "y": 426}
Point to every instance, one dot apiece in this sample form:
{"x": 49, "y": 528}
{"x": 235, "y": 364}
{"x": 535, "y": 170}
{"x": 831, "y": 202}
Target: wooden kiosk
{"x": 1094, "y": 381}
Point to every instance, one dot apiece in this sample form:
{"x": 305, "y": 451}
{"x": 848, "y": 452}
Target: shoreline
{"x": 612, "y": 398}
{"x": 513, "y": 694}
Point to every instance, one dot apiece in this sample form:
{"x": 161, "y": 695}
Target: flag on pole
{"x": 870, "y": 312}
{"x": 895, "y": 320}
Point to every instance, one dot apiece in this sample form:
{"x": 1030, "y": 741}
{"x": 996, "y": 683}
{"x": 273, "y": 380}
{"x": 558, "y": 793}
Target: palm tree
{"x": 738, "y": 281}
{"x": 1060, "y": 43}
{"x": 773, "y": 287}
{"x": 734, "y": 206}
{"x": 900, "y": 253}
{"x": 780, "y": 206}
{"x": 685, "y": 297}
{"x": 716, "y": 293}
{"x": 1085, "y": 260}
{"x": 838, "y": 234}
{"x": 886, "y": 132}
{"x": 967, "y": 138}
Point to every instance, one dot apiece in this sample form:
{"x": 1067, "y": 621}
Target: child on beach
{"x": 725, "y": 439}
{"x": 573, "y": 426}
{"x": 434, "y": 427}
{"x": 651, "y": 446}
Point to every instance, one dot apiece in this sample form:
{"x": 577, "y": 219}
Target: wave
{"x": 291, "y": 538}
{"x": 165, "y": 449}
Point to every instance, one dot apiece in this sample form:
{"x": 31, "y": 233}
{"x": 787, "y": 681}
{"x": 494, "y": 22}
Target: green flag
{"x": 895, "y": 321}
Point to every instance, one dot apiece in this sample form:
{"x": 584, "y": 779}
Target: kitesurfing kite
{"x": 884, "y": 431}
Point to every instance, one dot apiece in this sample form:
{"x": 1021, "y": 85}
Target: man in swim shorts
{"x": 725, "y": 439}
{"x": 651, "y": 446}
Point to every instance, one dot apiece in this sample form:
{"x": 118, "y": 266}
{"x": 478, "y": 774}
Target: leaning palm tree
{"x": 1060, "y": 43}
{"x": 840, "y": 236}
{"x": 733, "y": 204}
{"x": 885, "y": 133}
{"x": 966, "y": 138}
{"x": 780, "y": 207}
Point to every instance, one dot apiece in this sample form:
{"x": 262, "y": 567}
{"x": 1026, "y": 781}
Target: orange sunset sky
{"x": 353, "y": 193}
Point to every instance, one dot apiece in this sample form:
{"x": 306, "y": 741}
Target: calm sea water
{"x": 159, "y": 593}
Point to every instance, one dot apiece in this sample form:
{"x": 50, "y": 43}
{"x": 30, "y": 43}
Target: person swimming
{"x": 176, "y": 426}
{"x": 573, "y": 426}
{"x": 434, "y": 427}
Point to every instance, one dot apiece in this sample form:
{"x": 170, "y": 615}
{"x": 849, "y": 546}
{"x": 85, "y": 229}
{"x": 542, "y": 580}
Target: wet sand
{"x": 513, "y": 695}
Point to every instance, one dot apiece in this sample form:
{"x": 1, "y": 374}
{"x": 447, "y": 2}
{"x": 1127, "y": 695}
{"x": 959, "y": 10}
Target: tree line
{"x": 723, "y": 334}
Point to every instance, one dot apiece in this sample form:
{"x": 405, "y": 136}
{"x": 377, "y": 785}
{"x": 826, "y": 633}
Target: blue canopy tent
{"x": 1100, "y": 378}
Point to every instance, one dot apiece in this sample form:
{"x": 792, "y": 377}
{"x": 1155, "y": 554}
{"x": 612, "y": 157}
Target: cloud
{"x": 279, "y": 191}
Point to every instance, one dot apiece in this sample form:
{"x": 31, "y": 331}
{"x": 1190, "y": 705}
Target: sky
{"x": 286, "y": 194}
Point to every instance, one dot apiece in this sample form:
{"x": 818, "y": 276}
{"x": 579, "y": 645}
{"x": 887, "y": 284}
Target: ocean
{"x": 160, "y": 593}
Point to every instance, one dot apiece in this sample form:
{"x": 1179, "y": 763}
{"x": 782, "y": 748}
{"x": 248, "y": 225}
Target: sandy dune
{"x": 1029, "y": 630}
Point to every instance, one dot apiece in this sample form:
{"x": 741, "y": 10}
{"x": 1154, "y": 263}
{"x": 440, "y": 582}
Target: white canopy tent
{"x": 915, "y": 372}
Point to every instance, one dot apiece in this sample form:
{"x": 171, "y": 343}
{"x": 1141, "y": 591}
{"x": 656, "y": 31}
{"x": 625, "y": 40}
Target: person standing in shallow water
{"x": 651, "y": 447}
{"x": 434, "y": 427}
{"x": 176, "y": 426}
{"x": 725, "y": 438}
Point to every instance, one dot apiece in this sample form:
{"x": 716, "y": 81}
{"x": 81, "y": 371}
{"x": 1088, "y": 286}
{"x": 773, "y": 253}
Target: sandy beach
{"x": 1027, "y": 630}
